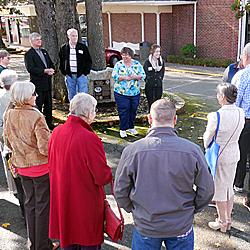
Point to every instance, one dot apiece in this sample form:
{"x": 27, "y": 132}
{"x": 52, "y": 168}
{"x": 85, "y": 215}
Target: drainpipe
{"x": 158, "y": 28}
{"x": 110, "y": 32}
{"x": 195, "y": 23}
{"x": 142, "y": 27}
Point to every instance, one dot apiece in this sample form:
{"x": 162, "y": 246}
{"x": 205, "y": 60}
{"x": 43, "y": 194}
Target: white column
{"x": 158, "y": 28}
{"x": 195, "y": 23}
{"x": 110, "y": 31}
{"x": 142, "y": 27}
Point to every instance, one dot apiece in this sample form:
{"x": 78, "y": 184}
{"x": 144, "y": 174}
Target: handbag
{"x": 113, "y": 226}
{"x": 212, "y": 152}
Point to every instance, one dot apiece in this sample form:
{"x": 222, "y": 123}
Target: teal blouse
{"x": 132, "y": 87}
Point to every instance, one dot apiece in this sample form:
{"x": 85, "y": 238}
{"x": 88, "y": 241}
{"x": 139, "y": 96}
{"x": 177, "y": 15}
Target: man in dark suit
{"x": 41, "y": 69}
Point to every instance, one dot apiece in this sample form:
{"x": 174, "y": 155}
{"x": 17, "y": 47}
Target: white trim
{"x": 155, "y": 3}
{"x": 195, "y": 24}
{"x": 158, "y": 28}
{"x": 110, "y": 29}
{"x": 142, "y": 27}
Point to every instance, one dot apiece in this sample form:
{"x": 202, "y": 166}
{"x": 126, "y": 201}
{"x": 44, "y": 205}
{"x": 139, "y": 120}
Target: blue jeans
{"x": 127, "y": 107}
{"x": 76, "y": 85}
{"x": 140, "y": 242}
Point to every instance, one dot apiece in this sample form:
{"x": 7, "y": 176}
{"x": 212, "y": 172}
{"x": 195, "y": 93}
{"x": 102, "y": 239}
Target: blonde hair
{"x": 21, "y": 92}
{"x": 82, "y": 104}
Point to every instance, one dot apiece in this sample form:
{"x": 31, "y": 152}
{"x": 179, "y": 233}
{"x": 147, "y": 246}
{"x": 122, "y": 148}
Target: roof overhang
{"x": 149, "y": 3}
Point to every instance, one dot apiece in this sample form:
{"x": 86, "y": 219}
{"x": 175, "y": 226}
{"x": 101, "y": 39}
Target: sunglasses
{"x": 34, "y": 94}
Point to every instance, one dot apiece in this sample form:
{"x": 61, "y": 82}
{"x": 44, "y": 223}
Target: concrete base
{"x": 101, "y": 85}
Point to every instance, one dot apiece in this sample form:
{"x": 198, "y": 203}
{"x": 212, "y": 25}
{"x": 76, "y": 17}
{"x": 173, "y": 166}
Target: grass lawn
{"x": 191, "y": 123}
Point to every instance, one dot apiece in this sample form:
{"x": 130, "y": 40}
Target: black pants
{"x": 20, "y": 194}
{"x": 36, "y": 205}
{"x": 44, "y": 104}
{"x": 152, "y": 94}
{"x": 244, "y": 144}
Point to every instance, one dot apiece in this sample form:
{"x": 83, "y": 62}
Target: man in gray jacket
{"x": 163, "y": 180}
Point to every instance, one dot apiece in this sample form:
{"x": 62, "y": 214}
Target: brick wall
{"x": 182, "y": 25}
{"x": 126, "y": 27}
{"x": 166, "y": 34}
{"x": 150, "y": 27}
{"x": 217, "y": 29}
{"x": 105, "y": 30}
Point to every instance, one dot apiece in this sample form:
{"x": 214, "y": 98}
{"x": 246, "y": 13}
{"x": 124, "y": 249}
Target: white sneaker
{"x": 238, "y": 189}
{"x": 133, "y": 131}
{"x": 123, "y": 134}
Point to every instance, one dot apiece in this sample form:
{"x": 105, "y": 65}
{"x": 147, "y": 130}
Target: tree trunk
{"x": 55, "y": 17}
{"x": 95, "y": 33}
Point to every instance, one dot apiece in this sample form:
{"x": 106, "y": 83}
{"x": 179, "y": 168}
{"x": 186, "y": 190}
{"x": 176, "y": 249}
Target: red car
{"x": 112, "y": 57}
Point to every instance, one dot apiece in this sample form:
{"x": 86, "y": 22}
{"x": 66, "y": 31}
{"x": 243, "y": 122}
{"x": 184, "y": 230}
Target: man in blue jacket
{"x": 75, "y": 64}
{"x": 163, "y": 180}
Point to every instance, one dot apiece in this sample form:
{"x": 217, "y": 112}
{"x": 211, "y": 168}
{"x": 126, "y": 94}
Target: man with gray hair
{"x": 243, "y": 101}
{"x": 41, "y": 69}
{"x": 75, "y": 64}
{"x": 163, "y": 180}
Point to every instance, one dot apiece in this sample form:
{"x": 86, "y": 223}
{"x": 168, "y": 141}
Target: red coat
{"x": 78, "y": 171}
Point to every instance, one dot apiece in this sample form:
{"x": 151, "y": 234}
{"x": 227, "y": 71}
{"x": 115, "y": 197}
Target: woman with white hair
{"x": 78, "y": 171}
{"x": 26, "y": 134}
{"x": 7, "y": 78}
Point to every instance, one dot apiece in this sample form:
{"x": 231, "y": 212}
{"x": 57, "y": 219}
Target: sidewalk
{"x": 200, "y": 70}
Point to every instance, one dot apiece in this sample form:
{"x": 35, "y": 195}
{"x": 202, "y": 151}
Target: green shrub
{"x": 207, "y": 62}
{"x": 188, "y": 50}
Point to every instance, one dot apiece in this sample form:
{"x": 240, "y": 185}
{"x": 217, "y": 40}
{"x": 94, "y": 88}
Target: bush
{"x": 206, "y": 62}
{"x": 189, "y": 50}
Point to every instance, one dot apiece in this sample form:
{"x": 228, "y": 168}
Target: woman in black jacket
{"x": 154, "y": 68}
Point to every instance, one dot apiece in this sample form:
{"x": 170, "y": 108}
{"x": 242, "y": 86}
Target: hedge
{"x": 206, "y": 62}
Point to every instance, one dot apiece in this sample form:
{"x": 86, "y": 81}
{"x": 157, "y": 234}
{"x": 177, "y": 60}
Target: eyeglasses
{"x": 34, "y": 94}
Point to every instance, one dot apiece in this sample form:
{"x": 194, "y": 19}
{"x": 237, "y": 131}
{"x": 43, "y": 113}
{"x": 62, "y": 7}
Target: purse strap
{"x": 218, "y": 124}
{"x": 119, "y": 209}
{"x": 231, "y": 135}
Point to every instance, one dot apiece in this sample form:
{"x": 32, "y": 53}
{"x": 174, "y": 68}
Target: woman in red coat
{"x": 78, "y": 171}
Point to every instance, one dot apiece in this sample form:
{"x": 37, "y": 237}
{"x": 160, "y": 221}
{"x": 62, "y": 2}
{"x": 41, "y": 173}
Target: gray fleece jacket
{"x": 163, "y": 180}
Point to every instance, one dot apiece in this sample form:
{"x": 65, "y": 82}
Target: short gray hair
{"x": 34, "y": 36}
{"x": 4, "y": 53}
{"x": 163, "y": 111}
{"x": 21, "y": 92}
{"x": 8, "y": 77}
{"x": 246, "y": 50}
{"x": 229, "y": 91}
{"x": 69, "y": 31}
{"x": 82, "y": 104}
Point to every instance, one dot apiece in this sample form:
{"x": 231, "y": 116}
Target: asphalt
{"x": 198, "y": 81}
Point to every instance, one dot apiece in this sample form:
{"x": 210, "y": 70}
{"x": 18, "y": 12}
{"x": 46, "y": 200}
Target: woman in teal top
{"x": 127, "y": 73}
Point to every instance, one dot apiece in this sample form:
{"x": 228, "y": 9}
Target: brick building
{"x": 209, "y": 24}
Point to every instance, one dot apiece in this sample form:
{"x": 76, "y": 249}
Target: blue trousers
{"x": 76, "y": 85}
{"x": 127, "y": 108}
{"x": 140, "y": 242}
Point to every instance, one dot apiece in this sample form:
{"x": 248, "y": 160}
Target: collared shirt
{"x": 243, "y": 95}
{"x": 128, "y": 88}
{"x": 40, "y": 53}
{"x": 72, "y": 59}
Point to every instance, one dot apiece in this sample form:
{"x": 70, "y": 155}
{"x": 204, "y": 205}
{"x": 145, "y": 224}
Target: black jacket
{"x": 36, "y": 67}
{"x": 153, "y": 78}
{"x": 84, "y": 61}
